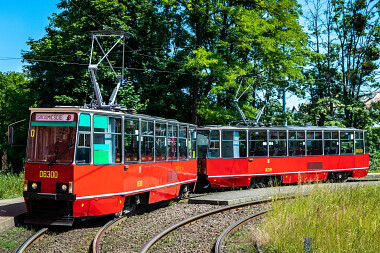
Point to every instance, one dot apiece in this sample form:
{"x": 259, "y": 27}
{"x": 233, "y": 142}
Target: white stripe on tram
{"x": 136, "y": 191}
{"x": 286, "y": 173}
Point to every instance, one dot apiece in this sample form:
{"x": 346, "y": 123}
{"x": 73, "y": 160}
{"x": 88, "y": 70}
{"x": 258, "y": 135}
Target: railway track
{"x": 180, "y": 224}
{"x": 109, "y": 225}
{"x": 234, "y": 227}
{"x": 31, "y": 239}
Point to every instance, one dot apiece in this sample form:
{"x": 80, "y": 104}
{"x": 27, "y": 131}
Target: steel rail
{"x": 102, "y": 231}
{"x": 160, "y": 235}
{"x": 30, "y": 240}
{"x": 234, "y": 227}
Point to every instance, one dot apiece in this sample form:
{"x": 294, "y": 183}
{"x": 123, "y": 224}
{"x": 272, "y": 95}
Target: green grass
{"x": 11, "y": 185}
{"x": 346, "y": 220}
{"x": 12, "y": 239}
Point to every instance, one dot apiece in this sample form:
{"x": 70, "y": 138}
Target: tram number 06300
{"x": 49, "y": 174}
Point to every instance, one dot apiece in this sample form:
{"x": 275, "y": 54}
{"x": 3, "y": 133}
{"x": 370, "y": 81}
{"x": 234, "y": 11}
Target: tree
{"x": 234, "y": 42}
{"x": 186, "y": 57}
{"x": 15, "y": 99}
{"x": 58, "y": 62}
{"x": 346, "y": 42}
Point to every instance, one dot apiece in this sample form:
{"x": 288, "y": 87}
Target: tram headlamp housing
{"x": 32, "y": 186}
{"x": 65, "y": 188}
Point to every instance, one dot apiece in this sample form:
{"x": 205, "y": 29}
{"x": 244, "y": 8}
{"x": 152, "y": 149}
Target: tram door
{"x": 203, "y": 141}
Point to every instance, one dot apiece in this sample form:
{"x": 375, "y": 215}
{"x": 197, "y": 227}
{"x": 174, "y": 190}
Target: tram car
{"x": 242, "y": 156}
{"x": 90, "y": 162}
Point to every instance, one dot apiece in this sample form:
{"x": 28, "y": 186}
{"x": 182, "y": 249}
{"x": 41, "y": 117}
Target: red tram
{"x": 241, "y": 156}
{"x": 88, "y": 162}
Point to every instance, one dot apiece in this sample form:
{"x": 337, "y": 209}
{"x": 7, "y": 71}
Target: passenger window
{"x": 172, "y": 147}
{"x": 277, "y": 143}
{"x": 331, "y": 142}
{"x": 160, "y": 141}
{"x": 147, "y": 141}
{"x": 83, "y": 155}
{"x": 213, "y": 151}
{"x": 314, "y": 143}
{"x": 359, "y": 142}
{"x": 107, "y": 140}
{"x": 192, "y": 142}
{"x": 182, "y": 143}
{"x": 234, "y": 144}
{"x": 131, "y": 141}
{"x": 346, "y": 142}
{"x": 366, "y": 143}
{"x": 258, "y": 143}
{"x": 296, "y": 143}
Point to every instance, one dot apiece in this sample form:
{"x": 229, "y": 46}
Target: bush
{"x": 11, "y": 185}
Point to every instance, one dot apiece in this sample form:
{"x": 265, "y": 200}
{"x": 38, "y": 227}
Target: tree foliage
{"x": 345, "y": 37}
{"x": 15, "y": 99}
{"x": 187, "y": 58}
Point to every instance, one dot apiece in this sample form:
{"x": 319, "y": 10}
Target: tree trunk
{"x": 4, "y": 161}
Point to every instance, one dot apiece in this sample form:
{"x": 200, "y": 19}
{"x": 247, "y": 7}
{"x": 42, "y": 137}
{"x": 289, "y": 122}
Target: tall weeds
{"x": 345, "y": 220}
{"x": 11, "y": 185}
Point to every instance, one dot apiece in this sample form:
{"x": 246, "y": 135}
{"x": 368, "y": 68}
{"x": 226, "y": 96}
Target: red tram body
{"x": 88, "y": 162}
{"x": 77, "y": 165}
{"x": 253, "y": 156}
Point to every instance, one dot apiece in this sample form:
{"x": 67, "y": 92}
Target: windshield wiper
{"x": 62, "y": 153}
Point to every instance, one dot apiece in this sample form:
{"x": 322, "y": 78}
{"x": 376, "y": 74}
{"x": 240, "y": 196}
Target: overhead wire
{"x": 86, "y": 13}
{"x": 2, "y": 58}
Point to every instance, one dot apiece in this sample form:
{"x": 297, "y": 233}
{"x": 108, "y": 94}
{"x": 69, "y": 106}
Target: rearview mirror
{"x": 10, "y": 135}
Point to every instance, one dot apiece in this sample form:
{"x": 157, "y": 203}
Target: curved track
{"x": 159, "y": 236}
{"x": 31, "y": 239}
{"x": 235, "y": 226}
{"x": 109, "y": 225}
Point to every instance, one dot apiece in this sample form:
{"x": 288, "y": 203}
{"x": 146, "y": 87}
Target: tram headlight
{"x": 25, "y": 185}
{"x": 34, "y": 186}
{"x": 70, "y": 187}
{"x": 64, "y": 187}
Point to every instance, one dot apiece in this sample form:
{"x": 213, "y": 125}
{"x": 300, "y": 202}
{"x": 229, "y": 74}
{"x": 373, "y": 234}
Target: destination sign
{"x": 54, "y": 117}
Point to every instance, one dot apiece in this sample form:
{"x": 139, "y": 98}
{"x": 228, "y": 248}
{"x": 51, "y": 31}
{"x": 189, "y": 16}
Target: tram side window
{"x": 202, "y": 143}
{"x": 258, "y": 143}
{"x": 314, "y": 142}
{"x": 160, "y": 142}
{"x": 359, "y": 142}
{"x": 182, "y": 141}
{"x": 173, "y": 138}
{"x": 234, "y": 144}
{"x": 366, "y": 143}
{"x": 107, "y": 140}
{"x": 296, "y": 143}
{"x": 192, "y": 143}
{"x": 277, "y": 143}
{"x": 147, "y": 141}
{"x": 331, "y": 142}
{"x": 213, "y": 151}
{"x": 83, "y": 155}
{"x": 346, "y": 142}
{"x": 131, "y": 141}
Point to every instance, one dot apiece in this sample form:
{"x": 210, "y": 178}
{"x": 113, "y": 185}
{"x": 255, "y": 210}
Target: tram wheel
{"x": 257, "y": 182}
{"x": 184, "y": 192}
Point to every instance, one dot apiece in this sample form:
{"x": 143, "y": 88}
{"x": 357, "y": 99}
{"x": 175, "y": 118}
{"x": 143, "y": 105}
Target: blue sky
{"x": 19, "y": 21}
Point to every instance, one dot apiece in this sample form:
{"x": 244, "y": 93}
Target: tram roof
{"x": 77, "y": 109}
{"x": 295, "y": 128}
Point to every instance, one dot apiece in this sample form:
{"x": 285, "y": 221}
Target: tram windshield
{"x": 52, "y": 138}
